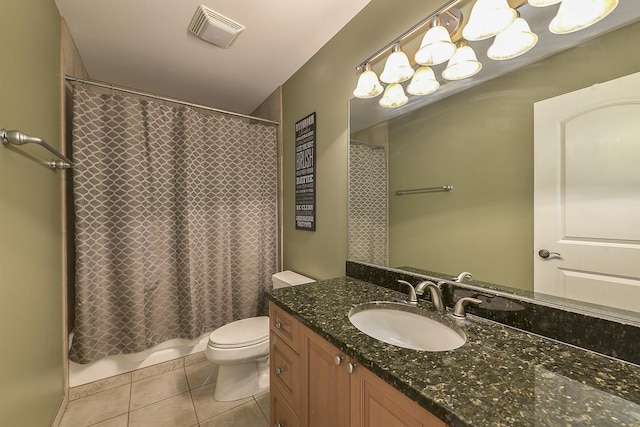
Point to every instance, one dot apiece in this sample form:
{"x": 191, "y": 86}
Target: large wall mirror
{"x": 478, "y": 137}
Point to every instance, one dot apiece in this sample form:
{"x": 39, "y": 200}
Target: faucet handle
{"x": 458, "y": 309}
{"x": 463, "y": 276}
{"x": 413, "y": 298}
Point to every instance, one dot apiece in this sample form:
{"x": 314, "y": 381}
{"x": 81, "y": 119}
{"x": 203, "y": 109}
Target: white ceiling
{"x": 144, "y": 44}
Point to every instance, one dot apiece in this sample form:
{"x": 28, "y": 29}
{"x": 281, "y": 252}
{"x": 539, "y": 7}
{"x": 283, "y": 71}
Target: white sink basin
{"x": 406, "y": 326}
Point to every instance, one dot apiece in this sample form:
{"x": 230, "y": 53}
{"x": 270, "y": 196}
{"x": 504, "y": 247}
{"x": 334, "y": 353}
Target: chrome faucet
{"x": 436, "y": 293}
{"x": 463, "y": 276}
{"x": 413, "y": 298}
{"x": 458, "y": 309}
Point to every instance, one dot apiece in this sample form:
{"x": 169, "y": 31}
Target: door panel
{"x": 587, "y": 194}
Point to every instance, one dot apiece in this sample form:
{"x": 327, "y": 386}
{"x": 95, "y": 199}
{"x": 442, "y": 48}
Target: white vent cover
{"x": 214, "y": 28}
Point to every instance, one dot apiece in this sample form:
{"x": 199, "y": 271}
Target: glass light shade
{"x": 464, "y": 64}
{"x": 512, "y": 42}
{"x": 436, "y": 47}
{"x": 397, "y": 68}
{"x": 393, "y": 96}
{"x": 368, "y": 85}
{"x": 543, "y": 3}
{"x": 488, "y": 18}
{"x": 575, "y": 15}
{"x": 423, "y": 83}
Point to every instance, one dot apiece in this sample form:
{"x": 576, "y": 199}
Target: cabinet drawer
{"x": 281, "y": 414}
{"x": 284, "y": 326}
{"x": 284, "y": 367}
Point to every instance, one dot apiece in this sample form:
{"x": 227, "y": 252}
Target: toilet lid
{"x": 241, "y": 333}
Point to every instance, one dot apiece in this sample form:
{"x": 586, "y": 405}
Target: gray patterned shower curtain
{"x": 367, "y": 204}
{"x": 176, "y": 222}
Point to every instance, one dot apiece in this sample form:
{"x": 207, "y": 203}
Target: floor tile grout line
{"x": 108, "y": 419}
{"x": 193, "y": 404}
{"x": 162, "y": 400}
{"x": 260, "y": 409}
{"x": 130, "y": 398}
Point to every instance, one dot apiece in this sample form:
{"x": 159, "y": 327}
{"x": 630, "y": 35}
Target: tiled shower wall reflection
{"x": 367, "y": 201}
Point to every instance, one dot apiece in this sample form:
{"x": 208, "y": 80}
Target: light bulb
{"x": 488, "y": 18}
{"x": 436, "y": 46}
{"x": 464, "y": 64}
{"x": 368, "y": 84}
{"x": 423, "y": 83}
{"x": 543, "y": 3}
{"x": 393, "y": 96}
{"x": 512, "y": 42}
{"x": 397, "y": 68}
{"x": 574, "y": 15}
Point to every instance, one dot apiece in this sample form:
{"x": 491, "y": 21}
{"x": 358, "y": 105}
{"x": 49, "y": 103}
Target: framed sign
{"x": 306, "y": 173}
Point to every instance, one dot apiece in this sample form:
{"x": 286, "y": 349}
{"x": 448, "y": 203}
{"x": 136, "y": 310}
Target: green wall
{"x": 31, "y": 362}
{"x": 325, "y": 85}
{"x": 481, "y": 142}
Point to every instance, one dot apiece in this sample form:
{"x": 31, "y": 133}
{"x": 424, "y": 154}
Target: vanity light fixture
{"x": 543, "y": 3}
{"x": 368, "y": 84}
{"x": 464, "y": 63}
{"x": 574, "y": 15}
{"x": 397, "y": 68}
{"x": 488, "y": 18}
{"x": 423, "y": 82}
{"x": 512, "y": 42}
{"x": 436, "y": 46}
{"x": 393, "y": 96}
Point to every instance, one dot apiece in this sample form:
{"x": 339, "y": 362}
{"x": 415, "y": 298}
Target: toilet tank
{"x": 289, "y": 278}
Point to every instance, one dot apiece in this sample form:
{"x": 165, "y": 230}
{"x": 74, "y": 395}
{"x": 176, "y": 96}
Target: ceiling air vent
{"x": 214, "y": 28}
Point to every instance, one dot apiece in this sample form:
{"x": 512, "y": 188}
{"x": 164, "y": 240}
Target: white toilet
{"x": 241, "y": 349}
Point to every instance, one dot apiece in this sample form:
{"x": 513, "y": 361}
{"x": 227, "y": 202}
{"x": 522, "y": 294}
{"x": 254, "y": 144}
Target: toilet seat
{"x": 241, "y": 333}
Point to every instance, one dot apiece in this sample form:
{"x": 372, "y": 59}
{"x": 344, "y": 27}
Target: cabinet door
{"x": 374, "y": 403}
{"x": 325, "y": 383}
{"x": 280, "y": 413}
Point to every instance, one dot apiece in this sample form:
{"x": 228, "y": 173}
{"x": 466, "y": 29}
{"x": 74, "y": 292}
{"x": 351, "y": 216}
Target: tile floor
{"x": 177, "y": 393}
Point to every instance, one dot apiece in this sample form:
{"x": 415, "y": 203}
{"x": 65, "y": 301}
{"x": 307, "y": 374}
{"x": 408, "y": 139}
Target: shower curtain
{"x": 176, "y": 222}
{"x": 367, "y": 204}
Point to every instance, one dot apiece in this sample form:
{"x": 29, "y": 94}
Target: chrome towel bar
{"x": 424, "y": 190}
{"x": 16, "y": 137}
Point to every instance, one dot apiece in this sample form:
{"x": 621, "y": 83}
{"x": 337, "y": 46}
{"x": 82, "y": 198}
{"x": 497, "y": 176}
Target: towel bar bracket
{"x": 16, "y": 137}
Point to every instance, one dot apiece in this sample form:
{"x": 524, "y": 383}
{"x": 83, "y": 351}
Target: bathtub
{"x": 110, "y": 366}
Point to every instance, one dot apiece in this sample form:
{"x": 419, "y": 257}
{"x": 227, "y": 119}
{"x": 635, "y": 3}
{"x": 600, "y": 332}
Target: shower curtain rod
{"x": 162, "y": 98}
{"x": 368, "y": 144}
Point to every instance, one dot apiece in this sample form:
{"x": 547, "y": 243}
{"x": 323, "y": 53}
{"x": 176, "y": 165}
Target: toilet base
{"x": 236, "y": 382}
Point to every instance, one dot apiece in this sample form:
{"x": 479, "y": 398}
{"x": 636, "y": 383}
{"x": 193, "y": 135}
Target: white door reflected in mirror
{"x": 587, "y": 194}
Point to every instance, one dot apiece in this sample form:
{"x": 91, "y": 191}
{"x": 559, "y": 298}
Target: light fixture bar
{"x": 420, "y": 25}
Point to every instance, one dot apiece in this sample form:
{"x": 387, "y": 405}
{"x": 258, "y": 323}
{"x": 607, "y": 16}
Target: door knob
{"x": 337, "y": 359}
{"x": 279, "y": 370}
{"x": 545, "y": 253}
{"x": 351, "y": 366}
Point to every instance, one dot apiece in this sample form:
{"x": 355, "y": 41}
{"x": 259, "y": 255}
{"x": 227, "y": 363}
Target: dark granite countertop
{"x": 500, "y": 377}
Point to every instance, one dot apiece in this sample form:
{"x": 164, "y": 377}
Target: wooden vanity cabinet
{"x": 374, "y": 403}
{"x": 314, "y": 384}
